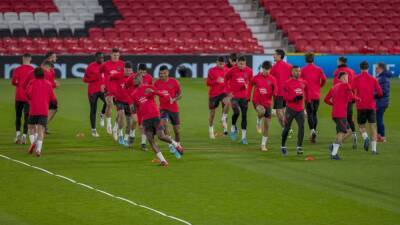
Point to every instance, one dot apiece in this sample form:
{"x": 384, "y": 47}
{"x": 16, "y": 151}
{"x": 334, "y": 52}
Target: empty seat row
{"x": 45, "y": 17}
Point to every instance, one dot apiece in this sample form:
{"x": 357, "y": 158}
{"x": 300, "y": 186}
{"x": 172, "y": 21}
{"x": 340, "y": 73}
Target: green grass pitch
{"x": 215, "y": 183}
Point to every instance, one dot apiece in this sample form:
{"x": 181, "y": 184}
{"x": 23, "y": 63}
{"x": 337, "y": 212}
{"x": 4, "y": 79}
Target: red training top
{"x": 112, "y": 72}
{"x": 93, "y": 77}
{"x": 168, "y": 89}
{"x": 216, "y": 81}
{"x": 264, "y": 88}
{"x": 292, "y": 88}
{"x": 20, "y": 77}
{"x": 338, "y": 97}
{"x": 315, "y": 78}
{"x": 239, "y": 82}
{"x": 282, "y": 71}
{"x": 365, "y": 86}
{"x": 40, "y": 93}
{"x": 122, "y": 93}
{"x": 343, "y": 68}
{"x": 143, "y": 98}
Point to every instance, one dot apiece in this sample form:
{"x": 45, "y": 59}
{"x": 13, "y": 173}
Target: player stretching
{"x": 342, "y": 67}
{"x": 315, "y": 78}
{"x": 40, "y": 94}
{"x": 232, "y": 62}
{"x": 170, "y": 94}
{"x": 295, "y": 93}
{"x": 110, "y": 69}
{"x": 143, "y": 99}
{"x": 365, "y": 86}
{"x": 147, "y": 79}
{"x": 338, "y": 97}
{"x": 265, "y": 86}
{"x": 282, "y": 72}
{"x": 238, "y": 78}
{"x": 50, "y": 75}
{"x": 217, "y": 93}
{"x": 19, "y": 78}
{"x": 94, "y": 79}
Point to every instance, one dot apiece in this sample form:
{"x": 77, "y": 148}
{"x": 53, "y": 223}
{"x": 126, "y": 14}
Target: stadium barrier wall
{"x": 197, "y": 66}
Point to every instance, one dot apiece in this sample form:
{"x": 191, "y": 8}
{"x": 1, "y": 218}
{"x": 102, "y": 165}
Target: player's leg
{"x": 235, "y": 116}
{"x": 300, "y": 120}
{"x": 26, "y": 118}
{"x": 226, "y": 104}
{"x": 93, "y": 109}
{"x": 143, "y": 139}
{"x": 212, "y": 105}
{"x": 342, "y": 131}
{"x": 260, "y": 115}
{"x": 374, "y": 134}
{"x": 352, "y": 126}
{"x": 120, "y": 122}
{"x": 289, "y": 116}
{"x": 32, "y": 134}
{"x": 133, "y": 121}
{"x": 19, "y": 107}
{"x": 362, "y": 120}
{"x": 380, "y": 124}
{"x": 40, "y": 138}
{"x": 265, "y": 132}
{"x": 175, "y": 147}
{"x": 103, "y": 109}
{"x": 243, "y": 104}
{"x": 109, "y": 102}
{"x": 154, "y": 147}
{"x": 280, "y": 110}
{"x": 315, "y": 113}
{"x": 53, "y": 110}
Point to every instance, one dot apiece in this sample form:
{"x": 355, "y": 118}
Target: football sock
{"x": 364, "y": 135}
{"x": 373, "y": 146}
{"x": 160, "y": 157}
{"x": 264, "y": 140}
{"x": 335, "y": 148}
{"x": 244, "y": 134}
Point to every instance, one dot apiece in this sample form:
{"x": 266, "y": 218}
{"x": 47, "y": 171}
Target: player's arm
{"x": 306, "y": 90}
{"x": 15, "y": 78}
{"x": 90, "y": 76}
{"x": 322, "y": 78}
{"x": 328, "y": 98}
{"x": 250, "y": 85}
{"x": 275, "y": 85}
{"x": 380, "y": 92}
{"x": 210, "y": 79}
{"x": 178, "y": 93}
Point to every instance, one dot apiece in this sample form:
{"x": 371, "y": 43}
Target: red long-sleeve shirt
{"x": 291, "y": 89}
{"x": 239, "y": 82}
{"x": 351, "y": 74}
{"x": 93, "y": 77}
{"x": 315, "y": 78}
{"x": 145, "y": 103}
{"x": 122, "y": 93}
{"x": 40, "y": 93}
{"x": 20, "y": 77}
{"x": 112, "y": 72}
{"x": 168, "y": 89}
{"x": 50, "y": 75}
{"x": 338, "y": 97}
{"x": 216, "y": 81}
{"x": 365, "y": 86}
{"x": 282, "y": 71}
{"x": 265, "y": 88}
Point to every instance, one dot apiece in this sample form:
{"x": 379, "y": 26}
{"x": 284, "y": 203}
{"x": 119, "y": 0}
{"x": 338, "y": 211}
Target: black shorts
{"x": 279, "y": 102}
{"x": 213, "y": 102}
{"x": 53, "y": 105}
{"x": 123, "y": 106}
{"x": 366, "y": 115}
{"x": 37, "y": 120}
{"x": 239, "y": 103}
{"x": 341, "y": 125}
{"x": 152, "y": 125}
{"x": 170, "y": 116}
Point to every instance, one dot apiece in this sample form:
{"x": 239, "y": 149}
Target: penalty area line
{"x": 98, "y": 190}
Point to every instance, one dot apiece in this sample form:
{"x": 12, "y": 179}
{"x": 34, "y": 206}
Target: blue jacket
{"x": 384, "y": 82}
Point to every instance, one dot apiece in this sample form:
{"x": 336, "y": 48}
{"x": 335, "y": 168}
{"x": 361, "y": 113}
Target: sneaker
{"x": 330, "y": 148}
{"x": 95, "y": 134}
{"x": 366, "y": 144}
{"x": 212, "y": 135}
{"x": 101, "y": 120}
{"x": 381, "y": 139}
{"x": 375, "y": 153}
{"x": 244, "y": 141}
{"x": 109, "y": 129}
{"x": 177, "y": 154}
{"x": 233, "y": 135}
{"x": 23, "y": 140}
{"x": 121, "y": 140}
{"x": 164, "y": 164}
{"x": 264, "y": 148}
{"x": 284, "y": 151}
{"x": 143, "y": 147}
{"x": 115, "y": 135}
{"x": 17, "y": 139}
{"x": 291, "y": 133}
{"x": 180, "y": 149}
{"x": 335, "y": 157}
{"x": 31, "y": 148}
{"x": 172, "y": 148}
{"x": 126, "y": 143}
{"x": 226, "y": 133}
{"x": 313, "y": 138}
{"x": 38, "y": 153}
{"x": 224, "y": 124}
{"x": 299, "y": 151}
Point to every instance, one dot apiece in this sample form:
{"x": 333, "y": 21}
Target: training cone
{"x": 309, "y": 158}
{"x": 80, "y": 135}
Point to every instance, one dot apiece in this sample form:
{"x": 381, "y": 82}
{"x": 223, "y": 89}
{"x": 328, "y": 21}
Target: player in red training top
{"x": 338, "y": 97}
{"x": 19, "y": 78}
{"x": 315, "y": 78}
{"x": 238, "y": 79}
{"x": 170, "y": 93}
{"x": 143, "y": 99}
{"x": 365, "y": 87}
{"x": 232, "y": 60}
{"x": 94, "y": 78}
{"x": 112, "y": 70}
{"x": 264, "y": 89}
{"x": 40, "y": 94}
{"x": 216, "y": 94}
{"x": 295, "y": 94}
{"x": 282, "y": 71}
{"x": 50, "y": 75}
{"x": 342, "y": 67}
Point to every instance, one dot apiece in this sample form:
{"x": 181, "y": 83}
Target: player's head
{"x": 309, "y": 57}
{"x": 380, "y": 67}
{"x": 138, "y": 79}
{"x": 99, "y": 57}
{"x": 51, "y": 56}
{"x": 47, "y": 65}
{"x": 296, "y": 72}
{"x": 232, "y": 59}
{"x": 164, "y": 72}
{"x": 128, "y": 68}
{"x": 115, "y": 54}
{"x": 26, "y": 59}
{"x": 241, "y": 62}
{"x": 220, "y": 62}
{"x": 142, "y": 68}
{"x": 266, "y": 67}
{"x": 342, "y": 60}
{"x": 279, "y": 55}
{"x": 38, "y": 73}
{"x": 344, "y": 77}
{"x": 364, "y": 66}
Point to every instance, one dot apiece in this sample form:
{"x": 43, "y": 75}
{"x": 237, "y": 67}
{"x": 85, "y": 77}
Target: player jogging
{"x": 265, "y": 86}
{"x": 50, "y": 75}
{"x": 20, "y": 76}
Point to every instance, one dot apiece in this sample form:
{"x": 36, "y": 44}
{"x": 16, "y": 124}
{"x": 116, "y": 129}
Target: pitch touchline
{"x": 98, "y": 190}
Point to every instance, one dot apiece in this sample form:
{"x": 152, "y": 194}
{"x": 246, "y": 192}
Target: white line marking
{"x": 98, "y": 190}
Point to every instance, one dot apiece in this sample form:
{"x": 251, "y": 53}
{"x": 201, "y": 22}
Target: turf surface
{"x": 216, "y": 182}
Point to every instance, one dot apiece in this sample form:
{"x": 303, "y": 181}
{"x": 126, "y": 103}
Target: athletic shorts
{"x": 170, "y": 116}
{"x": 268, "y": 110}
{"x": 123, "y": 106}
{"x": 53, "y": 105}
{"x": 213, "y": 102}
{"x": 279, "y": 102}
{"x": 366, "y": 115}
{"x": 341, "y": 125}
{"x": 37, "y": 120}
{"x": 239, "y": 103}
{"x": 152, "y": 125}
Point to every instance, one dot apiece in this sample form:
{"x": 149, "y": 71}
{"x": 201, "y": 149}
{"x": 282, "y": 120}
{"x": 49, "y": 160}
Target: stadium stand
{"x": 137, "y": 27}
{"x": 338, "y": 26}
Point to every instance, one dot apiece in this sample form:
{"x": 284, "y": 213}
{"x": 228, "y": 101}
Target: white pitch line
{"x": 98, "y": 190}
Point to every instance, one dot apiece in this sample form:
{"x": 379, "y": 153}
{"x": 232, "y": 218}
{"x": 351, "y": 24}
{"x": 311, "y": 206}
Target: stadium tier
{"x": 339, "y": 26}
